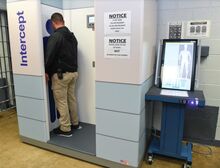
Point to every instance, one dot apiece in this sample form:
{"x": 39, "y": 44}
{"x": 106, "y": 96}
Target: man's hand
{"x": 47, "y": 77}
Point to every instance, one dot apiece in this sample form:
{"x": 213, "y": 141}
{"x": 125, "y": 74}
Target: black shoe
{"x": 59, "y": 132}
{"x": 74, "y": 127}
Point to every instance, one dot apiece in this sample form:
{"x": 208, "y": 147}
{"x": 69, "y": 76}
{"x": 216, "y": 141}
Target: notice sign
{"x": 117, "y": 22}
{"x": 198, "y": 28}
{"x": 117, "y": 47}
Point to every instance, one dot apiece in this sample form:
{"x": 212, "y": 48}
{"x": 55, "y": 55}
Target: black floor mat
{"x": 83, "y": 139}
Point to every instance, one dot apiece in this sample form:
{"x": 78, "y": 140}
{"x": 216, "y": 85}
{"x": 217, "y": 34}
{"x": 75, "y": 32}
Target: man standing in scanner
{"x": 61, "y": 67}
{"x": 184, "y": 62}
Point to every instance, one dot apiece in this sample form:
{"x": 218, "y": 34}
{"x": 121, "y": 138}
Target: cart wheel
{"x": 150, "y": 159}
{"x": 187, "y": 165}
{"x": 150, "y": 162}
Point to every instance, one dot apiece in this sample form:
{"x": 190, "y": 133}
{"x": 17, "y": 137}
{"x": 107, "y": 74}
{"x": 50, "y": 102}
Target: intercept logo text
{"x": 22, "y": 39}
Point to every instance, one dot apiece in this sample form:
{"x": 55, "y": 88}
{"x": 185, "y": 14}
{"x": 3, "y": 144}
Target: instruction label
{"x": 198, "y": 29}
{"x": 117, "y": 47}
{"x": 117, "y": 22}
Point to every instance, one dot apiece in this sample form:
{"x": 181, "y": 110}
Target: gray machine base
{"x": 75, "y": 153}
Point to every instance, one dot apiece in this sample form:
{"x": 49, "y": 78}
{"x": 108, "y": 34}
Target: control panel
{"x": 189, "y": 101}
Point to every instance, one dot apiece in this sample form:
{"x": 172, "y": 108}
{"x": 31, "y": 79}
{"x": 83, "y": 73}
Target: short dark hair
{"x": 57, "y": 17}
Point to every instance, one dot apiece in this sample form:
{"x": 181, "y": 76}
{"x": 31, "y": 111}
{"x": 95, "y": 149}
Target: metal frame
{"x": 7, "y": 101}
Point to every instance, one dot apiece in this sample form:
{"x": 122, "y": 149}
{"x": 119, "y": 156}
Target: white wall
{"x": 77, "y": 4}
{"x": 76, "y": 20}
{"x": 52, "y": 3}
{"x": 182, "y": 10}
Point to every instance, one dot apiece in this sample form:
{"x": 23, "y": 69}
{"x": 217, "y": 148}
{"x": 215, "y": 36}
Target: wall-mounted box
{"x": 90, "y": 21}
{"x": 204, "y": 51}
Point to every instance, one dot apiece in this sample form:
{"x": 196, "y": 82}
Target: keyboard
{"x": 179, "y": 93}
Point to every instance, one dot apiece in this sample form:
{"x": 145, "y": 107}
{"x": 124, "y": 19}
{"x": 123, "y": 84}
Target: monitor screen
{"x": 178, "y": 64}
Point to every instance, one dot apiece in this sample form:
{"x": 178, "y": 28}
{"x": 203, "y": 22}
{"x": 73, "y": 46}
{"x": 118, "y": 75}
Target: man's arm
{"x": 53, "y": 46}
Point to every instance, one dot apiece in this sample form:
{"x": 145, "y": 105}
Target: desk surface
{"x": 174, "y": 96}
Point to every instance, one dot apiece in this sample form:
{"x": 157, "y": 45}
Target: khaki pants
{"x": 65, "y": 100}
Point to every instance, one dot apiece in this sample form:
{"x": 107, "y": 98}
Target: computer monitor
{"x": 178, "y": 64}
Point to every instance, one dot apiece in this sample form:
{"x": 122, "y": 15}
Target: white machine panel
{"x": 26, "y": 37}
